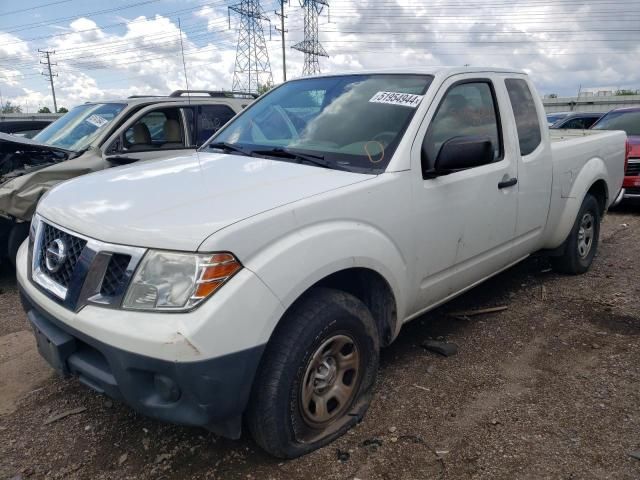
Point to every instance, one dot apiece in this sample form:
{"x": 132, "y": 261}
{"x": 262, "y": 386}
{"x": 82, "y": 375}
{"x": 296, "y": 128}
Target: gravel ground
{"x": 547, "y": 388}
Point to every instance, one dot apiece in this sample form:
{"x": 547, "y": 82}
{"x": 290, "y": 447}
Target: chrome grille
{"x": 100, "y": 278}
{"x": 112, "y": 283}
{"x": 633, "y": 167}
{"x": 74, "y": 246}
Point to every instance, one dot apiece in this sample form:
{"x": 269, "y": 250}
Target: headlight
{"x": 178, "y": 281}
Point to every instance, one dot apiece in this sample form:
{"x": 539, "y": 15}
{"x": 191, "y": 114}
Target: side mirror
{"x": 117, "y": 160}
{"x": 459, "y": 153}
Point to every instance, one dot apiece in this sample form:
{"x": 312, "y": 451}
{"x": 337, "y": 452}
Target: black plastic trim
{"x": 212, "y": 393}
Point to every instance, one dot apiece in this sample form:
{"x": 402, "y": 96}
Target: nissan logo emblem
{"x": 56, "y": 255}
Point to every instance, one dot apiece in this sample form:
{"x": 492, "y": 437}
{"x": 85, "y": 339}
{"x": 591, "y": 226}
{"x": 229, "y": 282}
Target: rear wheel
{"x": 317, "y": 375}
{"x": 582, "y": 244}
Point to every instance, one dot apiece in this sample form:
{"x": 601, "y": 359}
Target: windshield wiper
{"x": 300, "y": 157}
{"x": 230, "y": 147}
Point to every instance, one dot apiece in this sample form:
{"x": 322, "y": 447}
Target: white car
{"x": 258, "y": 278}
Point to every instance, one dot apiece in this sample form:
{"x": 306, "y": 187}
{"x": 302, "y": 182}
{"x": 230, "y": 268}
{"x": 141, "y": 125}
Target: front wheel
{"x": 582, "y": 244}
{"x": 17, "y": 236}
{"x": 317, "y": 375}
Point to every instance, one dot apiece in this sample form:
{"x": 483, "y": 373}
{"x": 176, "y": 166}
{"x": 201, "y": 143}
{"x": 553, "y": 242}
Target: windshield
{"x": 76, "y": 129}
{"x": 352, "y": 122}
{"x": 628, "y": 121}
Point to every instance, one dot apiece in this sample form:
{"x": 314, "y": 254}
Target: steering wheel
{"x": 281, "y": 111}
{"x": 382, "y": 137}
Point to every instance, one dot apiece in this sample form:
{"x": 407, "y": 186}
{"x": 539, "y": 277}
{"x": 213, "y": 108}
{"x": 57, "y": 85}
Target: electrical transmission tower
{"x": 47, "y": 54}
{"x": 252, "y": 69}
{"x": 310, "y": 46}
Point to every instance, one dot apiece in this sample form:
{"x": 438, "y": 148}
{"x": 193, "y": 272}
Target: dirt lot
{"x": 549, "y": 388}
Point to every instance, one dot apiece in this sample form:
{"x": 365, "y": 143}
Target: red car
{"x": 627, "y": 119}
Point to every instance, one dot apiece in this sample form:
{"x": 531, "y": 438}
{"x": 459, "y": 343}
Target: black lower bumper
{"x": 211, "y": 393}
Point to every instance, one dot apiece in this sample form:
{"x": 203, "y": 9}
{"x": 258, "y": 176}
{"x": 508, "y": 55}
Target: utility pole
{"x": 282, "y": 32}
{"x": 50, "y": 75}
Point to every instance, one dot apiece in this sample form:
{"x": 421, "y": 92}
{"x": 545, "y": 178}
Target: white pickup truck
{"x": 258, "y": 278}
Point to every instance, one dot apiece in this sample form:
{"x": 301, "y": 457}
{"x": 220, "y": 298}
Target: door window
{"x": 210, "y": 119}
{"x": 158, "y": 129}
{"x": 467, "y": 109}
{"x": 526, "y": 115}
{"x": 575, "y": 123}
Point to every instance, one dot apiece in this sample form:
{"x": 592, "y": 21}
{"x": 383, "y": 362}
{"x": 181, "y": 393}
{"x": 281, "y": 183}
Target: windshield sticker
{"x": 97, "y": 121}
{"x": 395, "y": 98}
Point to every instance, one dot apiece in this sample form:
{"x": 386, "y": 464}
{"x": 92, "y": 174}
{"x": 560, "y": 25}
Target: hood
{"x": 11, "y": 143}
{"x": 23, "y": 173}
{"x": 178, "y": 203}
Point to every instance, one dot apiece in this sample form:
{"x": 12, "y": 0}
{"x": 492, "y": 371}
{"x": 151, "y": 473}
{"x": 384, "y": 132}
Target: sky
{"x": 107, "y": 50}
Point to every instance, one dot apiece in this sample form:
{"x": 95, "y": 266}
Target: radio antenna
{"x": 184, "y": 64}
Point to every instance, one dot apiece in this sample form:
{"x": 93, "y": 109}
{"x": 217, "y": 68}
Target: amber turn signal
{"x": 214, "y": 273}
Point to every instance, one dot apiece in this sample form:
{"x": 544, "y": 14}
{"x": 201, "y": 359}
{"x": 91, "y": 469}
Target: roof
{"x": 433, "y": 70}
{"x": 178, "y": 97}
{"x": 626, "y": 109}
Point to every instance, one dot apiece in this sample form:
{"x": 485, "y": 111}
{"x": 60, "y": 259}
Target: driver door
{"x": 155, "y": 132}
{"x": 464, "y": 221}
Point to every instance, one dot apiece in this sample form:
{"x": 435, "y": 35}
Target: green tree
{"x": 262, "y": 89}
{"x": 8, "y": 107}
{"x": 626, "y": 92}
{"x": 44, "y": 110}
{"x": 62, "y": 110}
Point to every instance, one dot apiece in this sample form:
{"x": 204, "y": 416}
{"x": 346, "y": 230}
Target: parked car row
{"x": 23, "y": 128}
{"x": 625, "y": 119}
{"x": 574, "y": 120}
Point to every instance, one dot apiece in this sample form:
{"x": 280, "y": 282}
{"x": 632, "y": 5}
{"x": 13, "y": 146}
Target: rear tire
{"x": 317, "y": 375}
{"x": 581, "y": 246}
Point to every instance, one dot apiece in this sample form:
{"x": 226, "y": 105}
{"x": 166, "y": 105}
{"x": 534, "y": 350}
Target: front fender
{"x": 574, "y": 186}
{"x": 292, "y": 264}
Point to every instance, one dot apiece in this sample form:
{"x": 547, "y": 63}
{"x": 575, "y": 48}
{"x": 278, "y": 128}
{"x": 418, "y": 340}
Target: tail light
{"x": 627, "y": 152}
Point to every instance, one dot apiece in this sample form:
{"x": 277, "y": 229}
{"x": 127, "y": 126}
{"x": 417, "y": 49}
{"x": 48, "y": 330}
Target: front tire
{"x": 581, "y": 246}
{"x": 317, "y": 375}
{"x": 17, "y": 236}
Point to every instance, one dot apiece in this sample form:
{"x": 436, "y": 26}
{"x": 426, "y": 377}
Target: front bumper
{"x": 211, "y": 393}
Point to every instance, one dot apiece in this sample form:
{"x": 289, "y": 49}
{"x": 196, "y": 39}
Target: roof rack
{"x": 145, "y": 96}
{"x": 216, "y": 94}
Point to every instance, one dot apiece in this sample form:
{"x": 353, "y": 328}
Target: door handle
{"x": 508, "y": 183}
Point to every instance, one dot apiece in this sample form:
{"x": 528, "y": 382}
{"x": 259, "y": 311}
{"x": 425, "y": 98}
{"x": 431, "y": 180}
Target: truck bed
{"x": 579, "y": 156}
{"x": 559, "y": 135}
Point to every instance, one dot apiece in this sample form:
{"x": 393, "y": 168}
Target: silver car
{"x": 98, "y": 135}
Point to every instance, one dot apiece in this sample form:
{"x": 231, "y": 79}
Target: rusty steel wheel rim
{"x": 330, "y": 381}
{"x": 586, "y": 234}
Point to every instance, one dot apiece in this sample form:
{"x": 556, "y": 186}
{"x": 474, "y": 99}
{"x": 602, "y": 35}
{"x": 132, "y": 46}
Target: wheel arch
{"x": 372, "y": 289}
{"x": 591, "y": 179}
{"x": 600, "y": 191}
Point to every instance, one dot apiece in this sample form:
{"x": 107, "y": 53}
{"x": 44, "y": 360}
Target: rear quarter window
{"x": 526, "y": 115}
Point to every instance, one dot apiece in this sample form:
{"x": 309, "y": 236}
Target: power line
{"x": 29, "y": 26}
{"x": 36, "y": 7}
